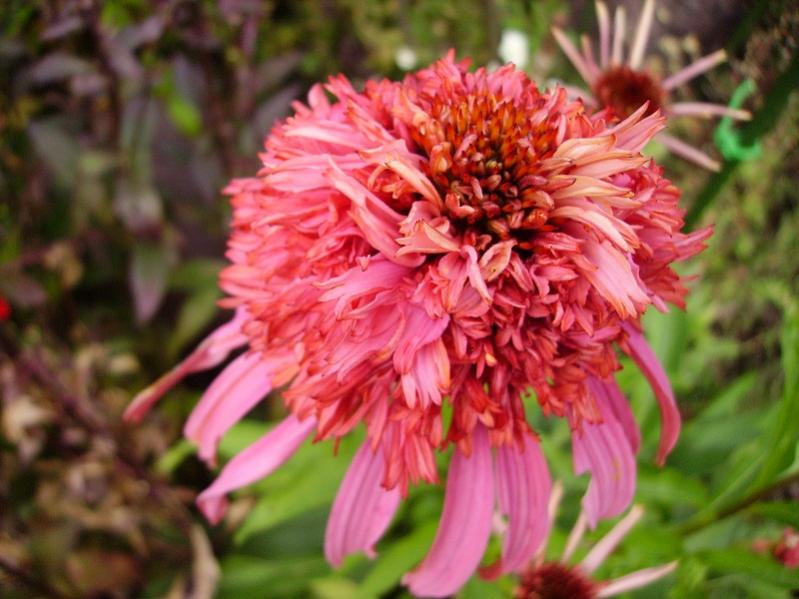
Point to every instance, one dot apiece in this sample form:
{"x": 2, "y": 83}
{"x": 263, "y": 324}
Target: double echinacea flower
{"x": 457, "y": 238}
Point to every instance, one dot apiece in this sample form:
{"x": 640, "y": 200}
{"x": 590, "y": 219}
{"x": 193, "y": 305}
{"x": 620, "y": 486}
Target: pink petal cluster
{"x": 621, "y": 85}
{"x": 453, "y": 241}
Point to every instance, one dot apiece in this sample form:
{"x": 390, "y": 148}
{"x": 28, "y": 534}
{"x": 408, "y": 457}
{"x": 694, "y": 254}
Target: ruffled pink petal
{"x": 523, "y": 491}
{"x": 603, "y": 450}
{"x": 363, "y": 509}
{"x": 465, "y": 524}
{"x": 649, "y": 364}
{"x": 212, "y": 351}
{"x": 257, "y": 461}
{"x": 236, "y": 390}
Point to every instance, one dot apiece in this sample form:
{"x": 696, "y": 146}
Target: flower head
{"x": 557, "y": 579}
{"x": 622, "y": 86}
{"x": 456, "y": 238}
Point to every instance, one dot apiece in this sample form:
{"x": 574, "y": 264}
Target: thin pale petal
{"x": 257, "y": 461}
{"x": 603, "y": 19}
{"x": 571, "y": 52}
{"x": 619, "y": 27}
{"x": 636, "y": 580}
{"x": 708, "y": 110}
{"x": 610, "y": 541}
{"x": 688, "y": 152}
{"x": 363, "y": 509}
{"x": 642, "y": 34}
{"x": 465, "y": 524}
{"x": 694, "y": 69}
{"x": 649, "y": 364}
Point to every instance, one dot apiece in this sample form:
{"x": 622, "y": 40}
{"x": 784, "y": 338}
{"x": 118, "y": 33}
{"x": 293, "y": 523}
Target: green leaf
{"x": 196, "y": 313}
{"x": 398, "y": 558}
{"x": 782, "y": 436}
{"x": 309, "y": 480}
{"x": 738, "y": 561}
{"x": 249, "y": 576}
{"x": 785, "y": 512}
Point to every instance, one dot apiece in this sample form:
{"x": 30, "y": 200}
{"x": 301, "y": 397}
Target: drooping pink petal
{"x": 603, "y": 450}
{"x": 236, "y": 390}
{"x": 363, "y": 509}
{"x": 257, "y": 461}
{"x": 649, "y": 364}
{"x": 465, "y": 524}
{"x": 608, "y": 390}
{"x": 523, "y": 491}
{"x": 635, "y": 580}
{"x": 212, "y": 351}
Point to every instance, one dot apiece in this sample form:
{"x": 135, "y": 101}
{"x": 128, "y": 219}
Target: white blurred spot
{"x": 405, "y": 58}
{"x": 513, "y": 47}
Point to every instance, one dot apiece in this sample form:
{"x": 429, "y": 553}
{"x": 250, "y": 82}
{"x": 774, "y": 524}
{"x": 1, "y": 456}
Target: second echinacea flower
{"x": 455, "y": 238}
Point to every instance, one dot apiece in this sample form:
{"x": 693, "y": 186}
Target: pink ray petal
{"x": 212, "y": 351}
{"x": 588, "y": 57}
{"x": 619, "y": 26}
{"x": 237, "y": 389}
{"x": 610, "y": 541}
{"x": 603, "y": 18}
{"x": 465, "y": 524}
{"x": 694, "y": 69}
{"x": 619, "y": 406}
{"x": 688, "y": 152}
{"x": 642, "y": 34}
{"x": 363, "y": 509}
{"x": 573, "y": 55}
{"x": 523, "y": 491}
{"x": 636, "y": 580}
{"x": 647, "y": 361}
{"x": 603, "y": 450}
{"x": 708, "y": 110}
{"x": 575, "y": 536}
{"x": 257, "y": 461}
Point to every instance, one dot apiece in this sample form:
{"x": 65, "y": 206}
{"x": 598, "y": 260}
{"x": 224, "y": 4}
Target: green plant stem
{"x": 699, "y": 523}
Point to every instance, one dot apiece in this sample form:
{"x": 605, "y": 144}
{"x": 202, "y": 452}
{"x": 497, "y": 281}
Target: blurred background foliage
{"x": 121, "y": 121}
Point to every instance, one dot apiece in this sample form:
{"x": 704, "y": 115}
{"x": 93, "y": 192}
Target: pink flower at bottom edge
{"x": 456, "y": 237}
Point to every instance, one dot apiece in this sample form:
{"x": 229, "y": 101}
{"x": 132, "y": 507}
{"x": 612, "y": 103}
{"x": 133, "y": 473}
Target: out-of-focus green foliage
{"x": 121, "y": 121}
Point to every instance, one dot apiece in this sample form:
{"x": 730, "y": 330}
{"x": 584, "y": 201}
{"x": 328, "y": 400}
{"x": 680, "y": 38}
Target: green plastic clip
{"x": 728, "y": 139}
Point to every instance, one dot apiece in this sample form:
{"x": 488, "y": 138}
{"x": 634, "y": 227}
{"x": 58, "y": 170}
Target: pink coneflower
{"x": 622, "y": 86}
{"x": 455, "y": 238}
{"x": 544, "y": 579}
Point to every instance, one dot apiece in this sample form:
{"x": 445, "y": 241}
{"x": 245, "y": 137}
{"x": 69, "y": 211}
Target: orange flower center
{"x": 484, "y": 151}
{"x": 624, "y": 91}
